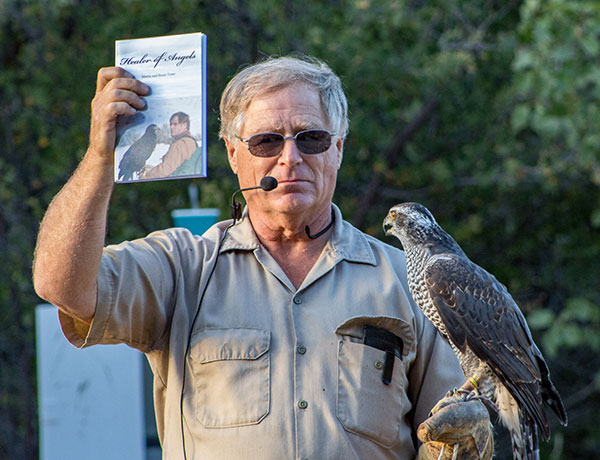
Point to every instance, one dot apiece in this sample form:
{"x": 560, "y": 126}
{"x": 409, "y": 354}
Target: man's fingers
{"x": 128, "y": 97}
{"x": 110, "y": 112}
{"x": 107, "y": 74}
{"x": 120, "y": 97}
{"x": 116, "y": 86}
{"x": 117, "y": 77}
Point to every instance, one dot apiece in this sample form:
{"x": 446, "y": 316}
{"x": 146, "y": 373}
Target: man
{"x": 183, "y": 156}
{"x": 288, "y": 335}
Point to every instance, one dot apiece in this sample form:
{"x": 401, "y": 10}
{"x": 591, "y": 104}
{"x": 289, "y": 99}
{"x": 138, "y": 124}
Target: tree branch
{"x": 392, "y": 155}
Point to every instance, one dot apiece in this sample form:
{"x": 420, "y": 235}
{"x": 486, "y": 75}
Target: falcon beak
{"x": 387, "y": 225}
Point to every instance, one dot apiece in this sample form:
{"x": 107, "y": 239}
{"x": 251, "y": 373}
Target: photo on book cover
{"x": 167, "y": 140}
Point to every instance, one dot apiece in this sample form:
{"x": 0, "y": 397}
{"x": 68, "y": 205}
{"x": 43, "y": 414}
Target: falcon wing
{"x": 479, "y": 313}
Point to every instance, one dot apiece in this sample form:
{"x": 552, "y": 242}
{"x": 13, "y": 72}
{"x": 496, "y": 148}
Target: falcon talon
{"x": 451, "y": 393}
{"x": 487, "y": 402}
{"x": 473, "y": 395}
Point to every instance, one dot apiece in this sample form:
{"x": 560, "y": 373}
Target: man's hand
{"x": 117, "y": 93}
{"x": 457, "y": 430}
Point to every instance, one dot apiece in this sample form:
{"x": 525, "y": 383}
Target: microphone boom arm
{"x": 267, "y": 184}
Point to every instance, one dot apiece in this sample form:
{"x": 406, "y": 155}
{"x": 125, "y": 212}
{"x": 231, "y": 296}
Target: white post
{"x": 90, "y": 400}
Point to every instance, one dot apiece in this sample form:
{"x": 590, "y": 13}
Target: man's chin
{"x": 288, "y": 203}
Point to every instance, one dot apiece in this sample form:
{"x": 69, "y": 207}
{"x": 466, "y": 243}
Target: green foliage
{"x": 575, "y": 326}
{"x": 557, "y": 84}
{"x": 508, "y": 158}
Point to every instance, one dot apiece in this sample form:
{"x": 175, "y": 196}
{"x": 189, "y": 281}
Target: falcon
{"x": 475, "y": 313}
{"x": 138, "y": 153}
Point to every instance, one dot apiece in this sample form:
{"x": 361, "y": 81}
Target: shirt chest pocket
{"x": 365, "y": 405}
{"x": 231, "y": 373}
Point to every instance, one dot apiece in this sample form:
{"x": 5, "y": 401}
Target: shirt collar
{"x": 346, "y": 241}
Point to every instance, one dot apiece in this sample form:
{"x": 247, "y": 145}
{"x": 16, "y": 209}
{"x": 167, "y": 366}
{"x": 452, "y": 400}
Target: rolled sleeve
{"x": 136, "y": 289}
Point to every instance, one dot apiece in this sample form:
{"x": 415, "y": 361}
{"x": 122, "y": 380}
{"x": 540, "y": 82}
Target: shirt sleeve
{"x": 137, "y": 284}
{"x": 434, "y": 372}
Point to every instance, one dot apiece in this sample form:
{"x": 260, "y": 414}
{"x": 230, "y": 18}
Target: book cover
{"x": 166, "y": 140}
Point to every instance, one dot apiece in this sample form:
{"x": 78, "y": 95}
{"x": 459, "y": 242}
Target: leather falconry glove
{"x": 458, "y": 429}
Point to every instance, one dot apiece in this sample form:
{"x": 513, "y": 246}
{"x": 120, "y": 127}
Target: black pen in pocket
{"x": 386, "y": 341}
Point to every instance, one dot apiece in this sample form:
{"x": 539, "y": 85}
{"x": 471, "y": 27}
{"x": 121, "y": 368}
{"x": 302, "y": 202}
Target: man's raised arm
{"x": 71, "y": 237}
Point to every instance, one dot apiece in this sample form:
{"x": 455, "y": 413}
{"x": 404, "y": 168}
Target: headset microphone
{"x": 267, "y": 183}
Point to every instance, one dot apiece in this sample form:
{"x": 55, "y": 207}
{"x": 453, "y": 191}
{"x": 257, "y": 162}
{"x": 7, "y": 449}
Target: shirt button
{"x": 302, "y": 404}
{"x": 297, "y": 300}
{"x": 301, "y": 349}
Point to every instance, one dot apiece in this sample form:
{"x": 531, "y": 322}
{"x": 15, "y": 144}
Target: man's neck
{"x": 184, "y": 134}
{"x": 286, "y": 240}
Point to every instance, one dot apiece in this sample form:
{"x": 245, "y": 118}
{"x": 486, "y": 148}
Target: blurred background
{"x": 485, "y": 111}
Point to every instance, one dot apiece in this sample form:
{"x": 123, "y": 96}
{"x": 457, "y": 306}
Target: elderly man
{"x": 286, "y": 334}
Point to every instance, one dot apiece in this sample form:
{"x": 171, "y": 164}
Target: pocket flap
{"x": 216, "y": 344}
{"x": 354, "y": 327}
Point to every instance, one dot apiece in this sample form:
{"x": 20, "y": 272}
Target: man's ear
{"x": 231, "y": 154}
{"x": 339, "y": 144}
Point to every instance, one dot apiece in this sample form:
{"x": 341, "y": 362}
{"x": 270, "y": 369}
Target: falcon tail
{"x": 522, "y": 428}
{"x": 525, "y": 442}
{"x": 550, "y": 395}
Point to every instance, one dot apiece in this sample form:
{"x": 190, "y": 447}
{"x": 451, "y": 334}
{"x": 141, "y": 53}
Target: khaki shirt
{"x": 271, "y": 372}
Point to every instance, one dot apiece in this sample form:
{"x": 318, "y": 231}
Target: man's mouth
{"x": 291, "y": 181}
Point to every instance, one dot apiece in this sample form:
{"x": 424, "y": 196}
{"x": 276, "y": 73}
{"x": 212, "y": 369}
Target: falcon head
{"x": 411, "y": 223}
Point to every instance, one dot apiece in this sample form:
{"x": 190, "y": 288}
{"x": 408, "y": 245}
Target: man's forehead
{"x": 295, "y": 107}
{"x": 279, "y": 125}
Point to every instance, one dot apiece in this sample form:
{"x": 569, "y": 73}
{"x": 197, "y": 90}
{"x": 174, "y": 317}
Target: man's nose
{"x": 290, "y": 153}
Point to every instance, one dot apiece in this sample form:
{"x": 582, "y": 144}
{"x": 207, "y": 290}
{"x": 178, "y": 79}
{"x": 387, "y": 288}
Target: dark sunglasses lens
{"x": 313, "y": 141}
{"x": 265, "y": 145}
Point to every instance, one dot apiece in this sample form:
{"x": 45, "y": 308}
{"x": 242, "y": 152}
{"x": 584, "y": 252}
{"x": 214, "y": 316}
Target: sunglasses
{"x": 310, "y": 142}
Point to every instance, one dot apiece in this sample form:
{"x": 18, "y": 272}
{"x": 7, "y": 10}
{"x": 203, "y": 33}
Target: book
{"x": 166, "y": 140}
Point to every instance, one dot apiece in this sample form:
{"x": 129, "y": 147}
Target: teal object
{"x": 196, "y": 220}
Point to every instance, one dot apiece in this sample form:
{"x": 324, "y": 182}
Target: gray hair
{"x": 274, "y": 74}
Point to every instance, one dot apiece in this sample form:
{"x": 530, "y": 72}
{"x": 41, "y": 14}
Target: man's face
{"x": 306, "y": 182}
{"x": 176, "y": 127}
